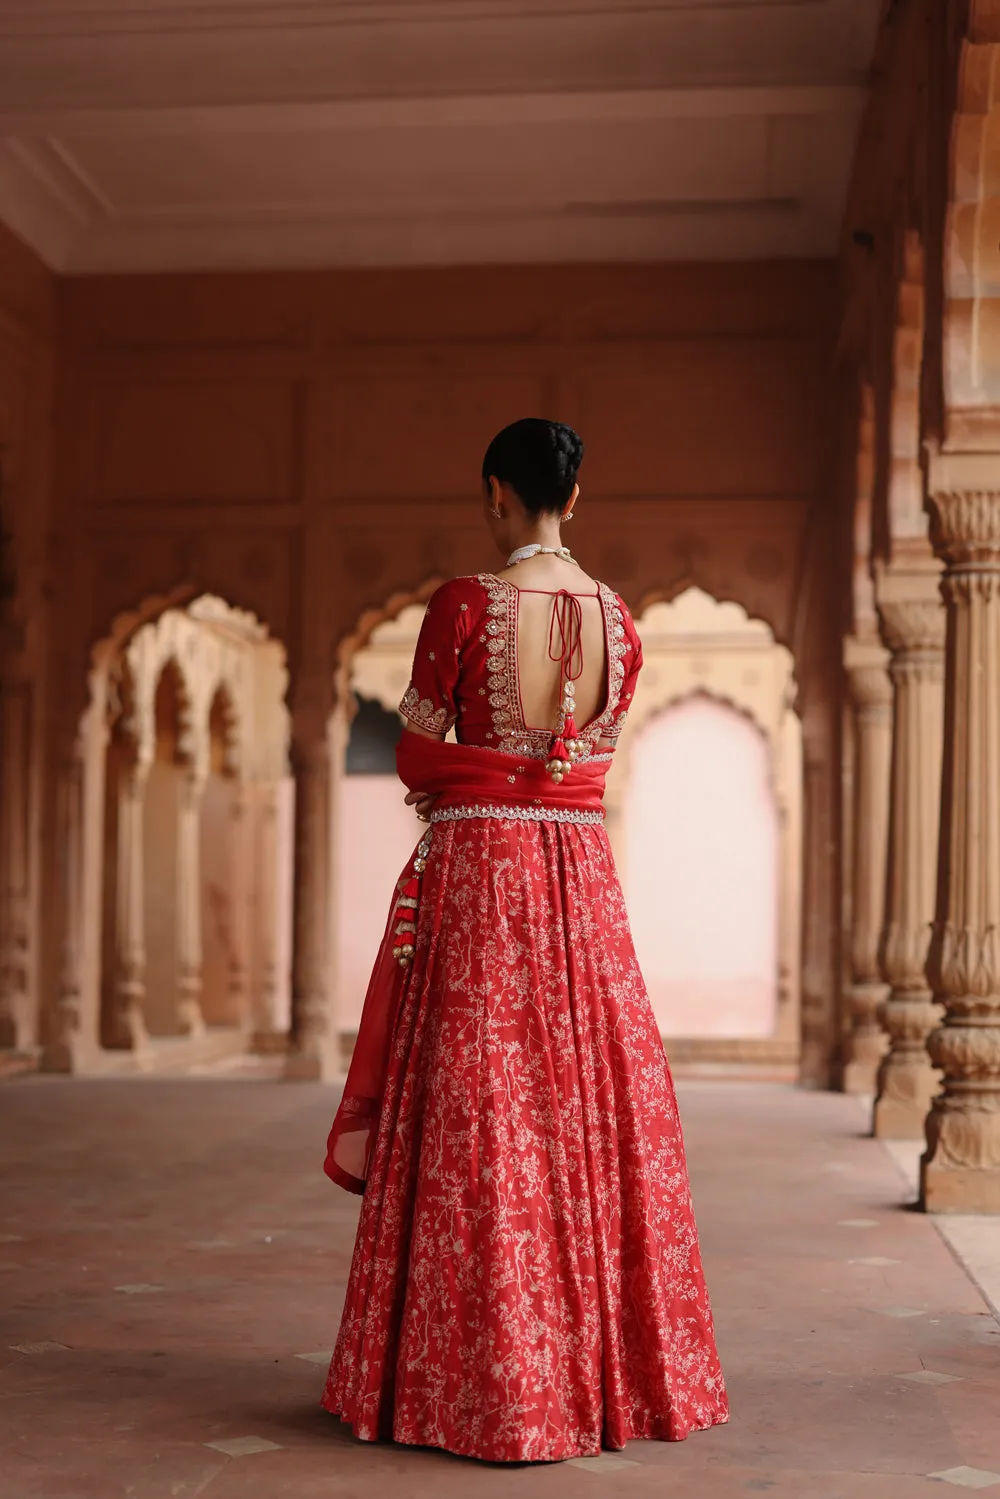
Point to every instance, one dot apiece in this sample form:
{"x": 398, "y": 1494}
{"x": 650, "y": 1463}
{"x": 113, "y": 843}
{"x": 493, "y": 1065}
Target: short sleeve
{"x": 429, "y": 701}
{"x": 631, "y": 656}
{"x": 633, "y": 663}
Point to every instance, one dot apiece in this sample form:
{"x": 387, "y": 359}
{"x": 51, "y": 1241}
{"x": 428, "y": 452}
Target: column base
{"x": 314, "y": 1061}
{"x": 69, "y": 1056}
{"x": 190, "y": 1020}
{"x": 860, "y": 1075}
{"x": 815, "y": 1070}
{"x": 901, "y": 1119}
{"x": 268, "y": 1043}
{"x": 14, "y": 1062}
{"x": 907, "y": 1086}
{"x": 865, "y": 1045}
{"x": 959, "y": 1189}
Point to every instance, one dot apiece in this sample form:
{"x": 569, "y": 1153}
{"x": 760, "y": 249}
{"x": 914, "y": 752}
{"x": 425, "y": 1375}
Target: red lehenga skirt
{"x": 526, "y": 1283}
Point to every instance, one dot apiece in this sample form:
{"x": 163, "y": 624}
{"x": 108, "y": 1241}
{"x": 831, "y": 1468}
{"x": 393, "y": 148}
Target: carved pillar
{"x": 128, "y": 1028}
{"x": 314, "y": 1052}
{"x": 238, "y": 978}
{"x": 818, "y": 968}
{"x": 69, "y": 1045}
{"x": 18, "y": 1028}
{"x": 265, "y": 993}
{"x": 961, "y": 1167}
{"x": 913, "y": 629}
{"x": 788, "y": 804}
{"x": 189, "y": 950}
{"x": 871, "y": 693}
{"x": 338, "y": 737}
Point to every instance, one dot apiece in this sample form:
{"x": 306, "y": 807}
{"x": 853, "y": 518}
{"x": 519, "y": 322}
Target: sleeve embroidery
{"x": 429, "y": 701}
{"x": 628, "y": 645}
{"x": 422, "y": 712}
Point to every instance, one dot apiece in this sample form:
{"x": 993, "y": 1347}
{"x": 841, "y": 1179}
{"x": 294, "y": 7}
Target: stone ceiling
{"x": 148, "y": 135}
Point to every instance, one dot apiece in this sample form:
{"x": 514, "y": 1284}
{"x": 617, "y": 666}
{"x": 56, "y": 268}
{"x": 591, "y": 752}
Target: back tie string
{"x": 566, "y": 634}
{"x": 566, "y": 647}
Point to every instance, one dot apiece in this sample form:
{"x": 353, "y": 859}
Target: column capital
{"x": 908, "y": 598}
{"x": 963, "y": 498}
{"x": 866, "y": 663}
{"x": 965, "y": 525}
{"x": 913, "y": 625}
{"x": 863, "y": 651}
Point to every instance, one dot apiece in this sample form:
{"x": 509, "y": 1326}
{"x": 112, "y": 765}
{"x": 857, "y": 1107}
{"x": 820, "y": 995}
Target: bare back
{"x": 539, "y": 581}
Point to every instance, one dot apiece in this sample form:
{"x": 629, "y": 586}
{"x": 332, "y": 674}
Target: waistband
{"x": 511, "y": 812}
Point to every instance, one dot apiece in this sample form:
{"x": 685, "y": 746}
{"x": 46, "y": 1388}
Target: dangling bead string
{"x": 404, "y": 917}
{"x": 566, "y": 647}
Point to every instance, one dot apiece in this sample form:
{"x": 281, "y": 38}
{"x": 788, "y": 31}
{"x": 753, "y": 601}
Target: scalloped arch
{"x": 109, "y": 663}
{"x": 170, "y": 666}
{"x": 368, "y": 622}
{"x": 124, "y": 625}
{"x": 686, "y": 694}
{"x": 669, "y": 593}
{"x": 223, "y": 698}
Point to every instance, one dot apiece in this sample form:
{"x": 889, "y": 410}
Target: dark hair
{"x": 538, "y": 459}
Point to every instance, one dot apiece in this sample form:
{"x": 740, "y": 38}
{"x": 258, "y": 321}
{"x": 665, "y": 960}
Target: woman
{"x": 526, "y": 1282}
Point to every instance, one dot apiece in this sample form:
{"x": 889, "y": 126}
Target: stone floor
{"x": 174, "y": 1260}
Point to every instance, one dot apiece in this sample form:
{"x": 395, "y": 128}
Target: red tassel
{"x": 558, "y": 750}
{"x": 411, "y": 889}
{"x": 570, "y": 730}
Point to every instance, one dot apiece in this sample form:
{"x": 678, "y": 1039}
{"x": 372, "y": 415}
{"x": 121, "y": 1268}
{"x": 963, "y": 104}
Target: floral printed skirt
{"x": 526, "y": 1283}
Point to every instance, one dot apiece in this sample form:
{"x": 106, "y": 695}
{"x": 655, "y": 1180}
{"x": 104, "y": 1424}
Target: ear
{"x": 496, "y": 495}
{"x": 568, "y": 507}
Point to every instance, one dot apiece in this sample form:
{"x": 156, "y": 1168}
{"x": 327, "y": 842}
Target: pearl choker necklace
{"x": 535, "y": 549}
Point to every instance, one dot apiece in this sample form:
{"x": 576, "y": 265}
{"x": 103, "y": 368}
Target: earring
{"x": 496, "y": 514}
{"x": 567, "y": 517}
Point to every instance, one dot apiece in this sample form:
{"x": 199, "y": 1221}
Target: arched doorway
{"x": 712, "y": 674}
{"x": 187, "y": 821}
{"x": 702, "y": 875}
{"x": 705, "y": 812}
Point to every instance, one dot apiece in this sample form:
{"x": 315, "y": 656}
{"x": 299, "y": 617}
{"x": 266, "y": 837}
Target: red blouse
{"x": 465, "y": 669}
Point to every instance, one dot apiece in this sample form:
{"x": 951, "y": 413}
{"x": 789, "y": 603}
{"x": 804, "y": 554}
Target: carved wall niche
{"x": 695, "y": 648}
{"x": 184, "y": 748}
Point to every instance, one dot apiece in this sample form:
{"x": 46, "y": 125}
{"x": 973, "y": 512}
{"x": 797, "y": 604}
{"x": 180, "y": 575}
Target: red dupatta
{"x": 456, "y": 775}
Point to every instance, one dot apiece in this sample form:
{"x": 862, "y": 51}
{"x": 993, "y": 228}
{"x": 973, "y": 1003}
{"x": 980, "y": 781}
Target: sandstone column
{"x": 961, "y": 1167}
{"x": 818, "y": 935}
{"x": 314, "y": 1050}
{"x": 788, "y": 805}
{"x": 129, "y": 1026}
{"x": 238, "y": 983}
{"x": 913, "y": 629}
{"x": 67, "y": 1041}
{"x": 265, "y": 943}
{"x": 189, "y": 951}
{"x": 17, "y": 1021}
{"x": 871, "y": 691}
{"x": 338, "y": 737}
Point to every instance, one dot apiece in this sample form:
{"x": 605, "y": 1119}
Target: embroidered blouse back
{"x": 483, "y": 666}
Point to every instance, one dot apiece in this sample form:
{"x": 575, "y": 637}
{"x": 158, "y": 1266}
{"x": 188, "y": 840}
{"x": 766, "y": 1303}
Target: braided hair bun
{"x": 539, "y": 460}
